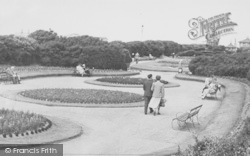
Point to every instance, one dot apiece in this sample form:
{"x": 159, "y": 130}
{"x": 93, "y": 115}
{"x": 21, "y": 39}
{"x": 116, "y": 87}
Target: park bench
{"x": 214, "y": 93}
{"x": 5, "y": 77}
{"x": 87, "y": 72}
{"x": 184, "y": 117}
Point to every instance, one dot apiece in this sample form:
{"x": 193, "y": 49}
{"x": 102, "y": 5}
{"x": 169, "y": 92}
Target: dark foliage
{"x": 222, "y": 65}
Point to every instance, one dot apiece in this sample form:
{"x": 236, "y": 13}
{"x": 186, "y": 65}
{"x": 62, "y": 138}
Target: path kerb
{"x": 61, "y": 130}
{"x": 231, "y": 112}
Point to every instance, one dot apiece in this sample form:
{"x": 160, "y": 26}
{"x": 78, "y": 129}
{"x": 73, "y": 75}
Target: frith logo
{"x": 211, "y": 28}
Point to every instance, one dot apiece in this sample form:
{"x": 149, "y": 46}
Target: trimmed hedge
{"x": 221, "y": 65}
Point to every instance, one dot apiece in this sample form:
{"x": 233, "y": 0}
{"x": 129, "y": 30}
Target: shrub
{"x": 221, "y": 65}
{"x": 248, "y": 75}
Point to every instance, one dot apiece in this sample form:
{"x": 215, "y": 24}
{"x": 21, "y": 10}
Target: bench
{"x": 184, "y": 117}
{"x": 87, "y": 72}
{"x": 214, "y": 93}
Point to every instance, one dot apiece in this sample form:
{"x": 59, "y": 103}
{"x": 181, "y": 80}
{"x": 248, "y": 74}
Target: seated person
{"x": 83, "y": 66}
{"x": 15, "y": 77}
{"x": 87, "y": 71}
{"x": 208, "y": 81}
{"x": 79, "y": 69}
{"x": 212, "y": 89}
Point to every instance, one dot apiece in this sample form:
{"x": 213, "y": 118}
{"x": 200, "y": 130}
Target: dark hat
{"x": 150, "y": 75}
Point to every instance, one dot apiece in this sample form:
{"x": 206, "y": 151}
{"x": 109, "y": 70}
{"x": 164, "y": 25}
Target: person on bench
{"x": 79, "y": 69}
{"x": 15, "y": 77}
{"x": 213, "y": 87}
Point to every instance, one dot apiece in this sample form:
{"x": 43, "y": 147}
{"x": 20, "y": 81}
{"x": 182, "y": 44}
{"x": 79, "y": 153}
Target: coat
{"x": 147, "y": 85}
{"x": 158, "y": 90}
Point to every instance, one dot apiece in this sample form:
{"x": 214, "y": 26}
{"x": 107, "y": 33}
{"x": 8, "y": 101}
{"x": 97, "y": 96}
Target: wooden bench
{"x": 214, "y": 93}
{"x": 182, "y": 118}
{"x": 87, "y": 72}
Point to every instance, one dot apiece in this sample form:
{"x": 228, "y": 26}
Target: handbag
{"x": 163, "y": 102}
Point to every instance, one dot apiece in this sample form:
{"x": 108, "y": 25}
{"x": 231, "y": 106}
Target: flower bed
{"x": 13, "y": 123}
{"x": 82, "y": 96}
{"x": 125, "y": 80}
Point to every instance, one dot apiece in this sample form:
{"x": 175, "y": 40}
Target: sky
{"x": 122, "y": 20}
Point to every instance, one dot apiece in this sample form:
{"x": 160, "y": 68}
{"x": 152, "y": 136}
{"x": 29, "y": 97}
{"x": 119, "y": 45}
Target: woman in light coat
{"x": 158, "y": 94}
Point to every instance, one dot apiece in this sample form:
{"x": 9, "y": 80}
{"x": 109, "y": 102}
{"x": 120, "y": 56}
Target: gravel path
{"x": 121, "y": 130}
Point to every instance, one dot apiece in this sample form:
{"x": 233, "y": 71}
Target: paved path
{"x": 120, "y": 131}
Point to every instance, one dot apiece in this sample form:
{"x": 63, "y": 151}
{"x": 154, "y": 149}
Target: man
{"x": 147, "y": 93}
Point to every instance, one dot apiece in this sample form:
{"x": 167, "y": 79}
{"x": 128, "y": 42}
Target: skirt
{"x": 154, "y": 103}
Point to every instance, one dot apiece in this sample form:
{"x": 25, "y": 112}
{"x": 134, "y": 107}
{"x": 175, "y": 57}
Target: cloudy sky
{"x": 121, "y": 19}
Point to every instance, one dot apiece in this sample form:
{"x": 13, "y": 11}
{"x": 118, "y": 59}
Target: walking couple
{"x": 153, "y": 94}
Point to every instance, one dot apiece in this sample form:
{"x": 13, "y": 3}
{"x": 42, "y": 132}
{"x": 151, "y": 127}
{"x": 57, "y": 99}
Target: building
{"x": 245, "y": 43}
{"x": 231, "y": 48}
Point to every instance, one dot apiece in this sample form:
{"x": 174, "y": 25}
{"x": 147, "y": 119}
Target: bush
{"x": 248, "y": 75}
{"x": 221, "y": 65}
{"x": 217, "y": 147}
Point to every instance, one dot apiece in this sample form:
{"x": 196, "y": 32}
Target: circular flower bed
{"x": 82, "y": 96}
{"x": 125, "y": 80}
{"x": 21, "y": 123}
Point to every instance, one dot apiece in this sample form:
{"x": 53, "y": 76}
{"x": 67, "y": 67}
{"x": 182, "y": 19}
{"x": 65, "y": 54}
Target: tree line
{"x": 48, "y": 48}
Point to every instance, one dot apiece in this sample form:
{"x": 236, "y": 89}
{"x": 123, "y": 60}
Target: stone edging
{"x": 61, "y": 130}
{"x": 238, "y": 124}
{"x": 245, "y": 104}
{"x": 94, "y": 82}
{"x": 38, "y": 75}
{"x": 13, "y": 95}
{"x": 244, "y": 114}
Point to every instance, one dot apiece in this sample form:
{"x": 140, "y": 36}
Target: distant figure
{"x": 137, "y": 55}
{"x": 150, "y": 57}
{"x": 158, "y": 94}
{"x": 83, "y": 66}
{"x": 79, "y": 69}
{"x": 180, "y": 70}
{"x": 15, "y": 77}
{"x": 147, "y": 85}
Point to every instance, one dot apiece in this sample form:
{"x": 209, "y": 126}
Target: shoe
{"x": 151, "y": 111}
{"x": 154, "y": 113}
{"x": 159, "y": 113}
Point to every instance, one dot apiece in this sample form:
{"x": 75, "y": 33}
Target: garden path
{"x": 119, "y": 131}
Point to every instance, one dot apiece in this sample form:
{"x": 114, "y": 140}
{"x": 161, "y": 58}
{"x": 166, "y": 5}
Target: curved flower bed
{"x": 82, "y": 96}
{"x": 21, "y": 123}
{"x": 125, "y": 80}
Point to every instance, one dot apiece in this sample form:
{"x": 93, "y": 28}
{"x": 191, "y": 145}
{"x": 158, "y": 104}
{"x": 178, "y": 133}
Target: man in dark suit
{"x": 148, "y": 93}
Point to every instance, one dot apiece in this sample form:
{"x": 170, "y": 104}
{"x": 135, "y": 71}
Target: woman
{"x": 158, "y": 94}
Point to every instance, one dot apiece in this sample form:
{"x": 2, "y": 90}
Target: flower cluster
{"x": 19, "y": 122}
{"x": 82, "y": 96}
{"x": 125, "y": 80}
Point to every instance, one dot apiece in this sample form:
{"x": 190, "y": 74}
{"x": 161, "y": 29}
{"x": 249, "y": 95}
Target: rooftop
{"x": 247, "y": 40}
